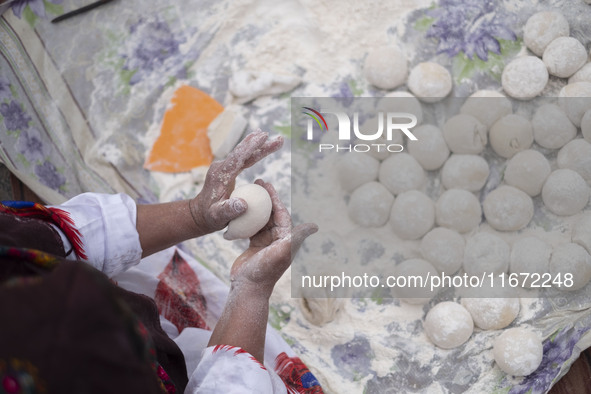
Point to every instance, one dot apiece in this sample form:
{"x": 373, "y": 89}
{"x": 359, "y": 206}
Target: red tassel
{"x": 55, "y": 216}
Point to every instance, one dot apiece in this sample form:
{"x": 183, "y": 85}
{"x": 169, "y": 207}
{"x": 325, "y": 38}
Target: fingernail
{"x": 238, "y": 205}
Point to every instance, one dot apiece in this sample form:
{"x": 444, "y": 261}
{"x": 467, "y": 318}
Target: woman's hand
{"x": 162, "y": 225}
{"x": 253, "y": 275}
{"x": 271, "y": 249}
{"x": 213, "y": 209}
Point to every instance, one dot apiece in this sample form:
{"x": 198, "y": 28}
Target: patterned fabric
{"x": 179, "y": 296}
{"x": 19, "y": 376}
{"x": 55, "y": 216}
{"x": 296, "y": 375}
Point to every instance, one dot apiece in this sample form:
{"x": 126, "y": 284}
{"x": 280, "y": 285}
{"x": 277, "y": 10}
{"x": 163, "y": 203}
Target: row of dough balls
{"x": 546, "y": 35}
{"x": 517, "y": 351}
{"x": 386, "y": 67}
{"x": 509, "y": 208}
{"x": 446, "y": 251}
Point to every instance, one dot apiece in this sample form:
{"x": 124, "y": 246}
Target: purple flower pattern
{"x": 31, "y": 146}
{"x": 5, "y": 92}
{"x": 48, "y": 175}
{"x": 473, "y": 27}
{"x": 14, "y": 116}
{"x": 151, "y": 47}
{"x": 557, "y": 350}
{"x": 37, "y": 6}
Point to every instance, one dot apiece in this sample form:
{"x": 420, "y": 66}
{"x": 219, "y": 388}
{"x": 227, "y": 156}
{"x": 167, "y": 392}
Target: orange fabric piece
{"x": 183, "y": 143}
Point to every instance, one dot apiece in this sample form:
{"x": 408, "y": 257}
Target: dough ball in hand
{"x": 256, "y": 216}
{"x": 518, "y": 351}
{"x": 448, "y": 325}
{"x": 386, "y": 67}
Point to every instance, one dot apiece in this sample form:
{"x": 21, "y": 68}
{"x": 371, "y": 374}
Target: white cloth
{"x": 107, "y": 224}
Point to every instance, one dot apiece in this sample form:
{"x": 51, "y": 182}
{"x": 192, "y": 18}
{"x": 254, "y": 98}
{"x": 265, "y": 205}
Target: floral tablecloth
{"x": 80, "y": 100}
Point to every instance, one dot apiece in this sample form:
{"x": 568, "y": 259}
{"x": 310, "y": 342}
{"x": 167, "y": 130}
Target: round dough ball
{"x": 370, "y": 205}
{"x": 571, "y": 258}
{"x": 355, "y": 169}
{"x": 527, "y": 170}
{"x": 583, "y": 75}
{"x": 576, "y": 155}
{"x": 552, "y": 128}
{"x": 511, "y": 134}
{"x": 564, "y": 56}
{"x": 402, "y": 102}
{"x": 430, "y": 148}
{"x": 508, "y": 208}
{"x": 401, "y": 172}
{"x": 430, "y": 82}
{"x": 565, "y": 192}
{"x": 525, "y": 77}
{"x": 256, "y": 216}
{"x": 379, "y": 148}
{"x": 518, "y": 351}
{"x": 458, "y": 210}
{"x": 413, "y": 293}
{"x": 586, "y": 126}
{"x": 581, "y": 233}
{"x": 486, "y": 253}
{"x": 320, "y": 311}
{"x": 492, "y": 313}
{"x": 575, "y": 100}
{"x": 448, "y": 325}
{"x": 386, "y": 67}
{"x": 468, "y": 172}
{"x": 530, "y": 255}
{"x": 487, "y": 106}
{"x": 444, "y": 248}
{"x": 542, "y": 28}
{"x": 465, "y": 134}
{"x": 412, "y": 215}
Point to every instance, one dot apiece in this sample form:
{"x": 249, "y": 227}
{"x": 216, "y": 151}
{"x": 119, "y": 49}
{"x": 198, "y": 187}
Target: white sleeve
{"x": 229, "y": 369}
{"x": 107, "y": 224}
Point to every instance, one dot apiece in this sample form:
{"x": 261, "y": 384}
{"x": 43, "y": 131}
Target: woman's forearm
{"x": 163, "y": 225}
{"x": 243, "y": 322}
